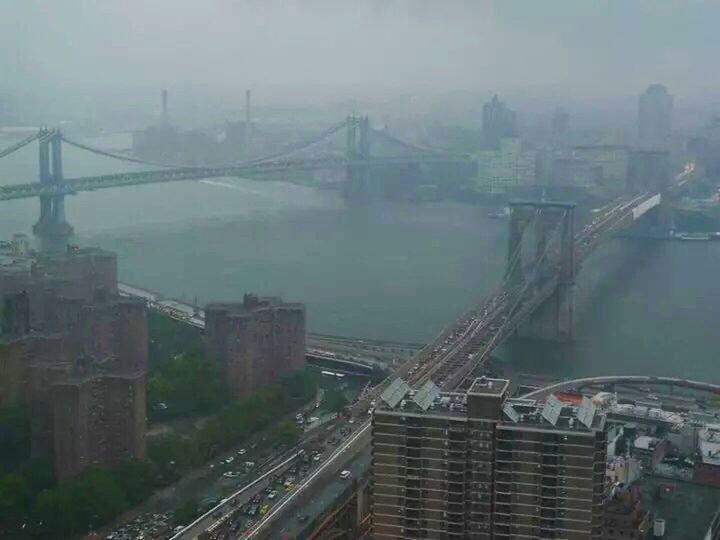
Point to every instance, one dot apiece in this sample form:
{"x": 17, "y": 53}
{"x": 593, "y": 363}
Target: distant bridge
{"x": 351, "y": 145}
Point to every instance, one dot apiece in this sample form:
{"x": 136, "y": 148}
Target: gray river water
{"x": 387, "y": 270}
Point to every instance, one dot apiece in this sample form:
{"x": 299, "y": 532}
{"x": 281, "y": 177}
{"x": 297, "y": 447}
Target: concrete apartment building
{"x": 480, "y": 465}
{"x": 655, "y": 110}
{"x": 75, "y": 353}
{"x": 255, "y": 341}
{"x": 507, "y": 168}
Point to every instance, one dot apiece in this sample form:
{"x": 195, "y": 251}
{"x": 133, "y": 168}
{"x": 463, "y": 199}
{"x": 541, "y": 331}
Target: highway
{"x": 460, "y": 349}
{"x": 241, "y": 496}
{"x": 329, "y": 467}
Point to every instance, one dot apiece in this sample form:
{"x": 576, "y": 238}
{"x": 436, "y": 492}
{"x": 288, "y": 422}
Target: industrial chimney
{"x": 248, "y": 127}
{"x": 164, "y": 107}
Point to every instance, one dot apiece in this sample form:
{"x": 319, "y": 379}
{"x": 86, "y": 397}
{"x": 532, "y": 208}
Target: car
{"x": 345, "y": 474}
{"x": 272, "y": 494}
{"x": 303, "y": 518}
{"x": 229, "y": 460}
{"x": 242, "y": 452}
{"x": 316, "y": 457}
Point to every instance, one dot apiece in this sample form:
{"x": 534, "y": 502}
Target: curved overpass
{"x": 622, "y": 379}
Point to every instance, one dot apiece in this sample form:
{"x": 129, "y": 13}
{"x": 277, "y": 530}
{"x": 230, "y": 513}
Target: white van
{"x": 345, "y": 475}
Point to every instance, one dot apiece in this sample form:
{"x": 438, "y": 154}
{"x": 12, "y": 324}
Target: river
{"x": 386, "y": 270}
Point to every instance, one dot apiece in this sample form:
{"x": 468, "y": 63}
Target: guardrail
{"x": 229, "y": 499}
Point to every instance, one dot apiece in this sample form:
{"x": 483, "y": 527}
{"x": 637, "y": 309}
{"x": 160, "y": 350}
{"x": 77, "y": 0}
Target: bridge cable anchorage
{"x": 39, "y": 135}
{"x": 114, "y": 155}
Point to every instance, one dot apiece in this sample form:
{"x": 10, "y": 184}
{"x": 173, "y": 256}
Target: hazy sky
{"x": 590, "y": 47}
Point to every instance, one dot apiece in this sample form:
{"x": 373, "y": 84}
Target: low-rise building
{"x": 649, "y": 451}
{"x": 707, "y": 465}
{"x": 624, "y": 516}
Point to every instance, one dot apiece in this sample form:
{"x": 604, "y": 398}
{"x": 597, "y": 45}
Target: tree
{"x": 14, "y": 434}
{"x": 286, "y": 432}
{"x": 96, "y": 497}
{"x": 39, "y": 474}
{"x": 186, "y": 513}
{"x": 136, "y": 479}
{"x": 54, "y": 513}
{"x": 15, "y": 499}
{"x": 188, "y": 384}
{"x": 335, "y": 400}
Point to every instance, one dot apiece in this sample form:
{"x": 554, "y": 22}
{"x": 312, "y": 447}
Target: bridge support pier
{"x": 52, "y": 230}
{"x": 554, "y": 319}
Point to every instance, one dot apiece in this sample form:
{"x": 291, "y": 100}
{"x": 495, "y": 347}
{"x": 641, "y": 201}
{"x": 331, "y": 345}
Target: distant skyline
{"x": 317, "y": 49}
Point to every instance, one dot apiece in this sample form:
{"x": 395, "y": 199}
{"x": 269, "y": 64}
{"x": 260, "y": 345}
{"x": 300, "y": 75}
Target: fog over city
{"x": 300, "y": 49}
{"x": 359, "y": 269}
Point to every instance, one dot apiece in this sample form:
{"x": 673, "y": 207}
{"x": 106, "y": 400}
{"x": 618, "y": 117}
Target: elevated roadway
{"x": 645, "y": 380}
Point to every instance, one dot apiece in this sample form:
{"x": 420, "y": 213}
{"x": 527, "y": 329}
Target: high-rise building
{"x": 550, "y": 463}
{"x": 560, "y": 136}
{"x": 479, "y": 465}
{"x": 648, "y": 170}
{"x": 498, "y": 122}
{"x": 255, "y": 341}
{"x": 506, "y": 169}
{"x": 75, "y": 353}
{"x": 655, "y": 108}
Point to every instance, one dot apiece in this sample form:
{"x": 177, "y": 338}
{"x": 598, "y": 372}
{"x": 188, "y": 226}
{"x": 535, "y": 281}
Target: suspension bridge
{"x": 545, "y": 251}
{"x": 351, "y": 146}
{"x": 535, "y": 299}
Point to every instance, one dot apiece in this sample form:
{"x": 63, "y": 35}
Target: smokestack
{"x": 164, "y": 106}
{"x": 248, "y": 127}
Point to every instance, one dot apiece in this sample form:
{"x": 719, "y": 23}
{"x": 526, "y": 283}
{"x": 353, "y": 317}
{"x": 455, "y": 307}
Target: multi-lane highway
{"x": 460, "y": 349}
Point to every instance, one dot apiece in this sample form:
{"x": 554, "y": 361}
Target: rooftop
{"x": 484, "y": 386}
{"x": 709, "y": 445}
{"x": 553, "y": 414}
{"x": 427, "y": 399}
{"x": 252, "y": 303}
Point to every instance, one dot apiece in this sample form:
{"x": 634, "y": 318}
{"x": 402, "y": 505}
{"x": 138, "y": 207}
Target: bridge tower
{"x": 357, "y": 151}
{"x": 553, "y": 251}
{"x": 51, "y": 229}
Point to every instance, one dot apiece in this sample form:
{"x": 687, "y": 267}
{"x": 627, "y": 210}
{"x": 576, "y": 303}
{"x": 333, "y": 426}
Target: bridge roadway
{"x": 464, "y": 346}
{"x": 71, "y": 186}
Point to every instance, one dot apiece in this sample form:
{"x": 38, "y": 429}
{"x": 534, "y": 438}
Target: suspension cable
{"x": 121, "y": 157}
{"x": 301, "y": 146}
{"x": 21, "y": 144}
{"x": 436, "y": 151}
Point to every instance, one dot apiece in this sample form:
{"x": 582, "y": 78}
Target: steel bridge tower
{"x": 550, "y": 227}
{"x": 51, "y": 229}
{"x": 357, "y": 151}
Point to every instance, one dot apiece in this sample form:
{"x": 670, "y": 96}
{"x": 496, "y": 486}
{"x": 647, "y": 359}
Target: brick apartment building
{"x": 255, "y": 341}
{"x": 75, "y": 353}
{"x": 480, "y": 465}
